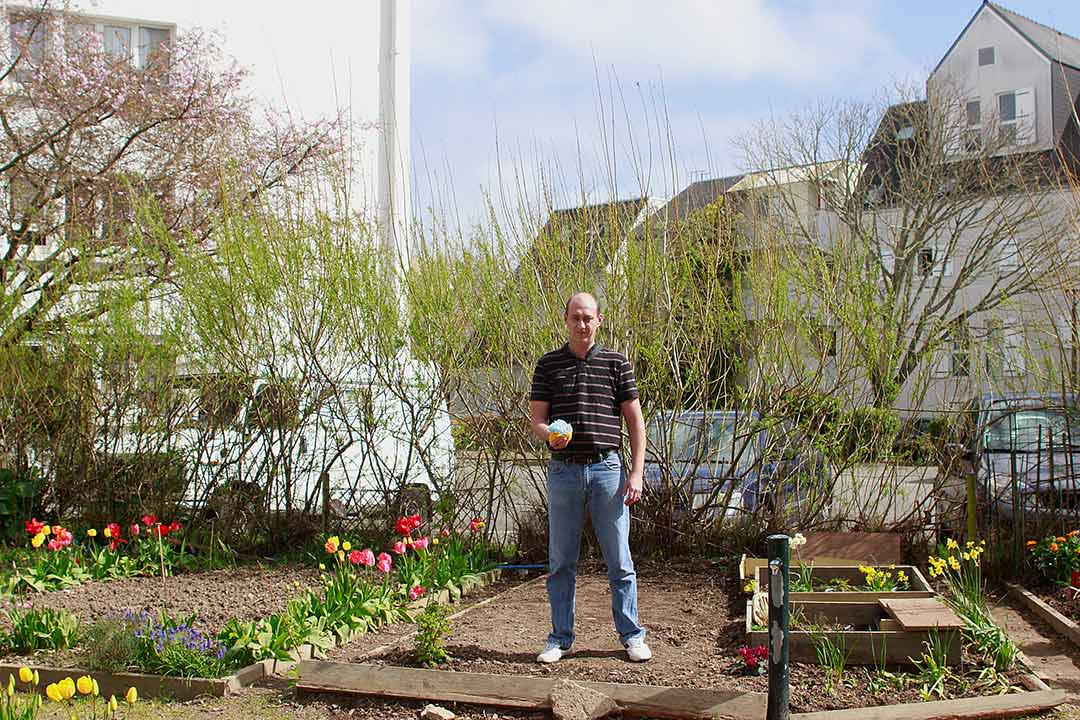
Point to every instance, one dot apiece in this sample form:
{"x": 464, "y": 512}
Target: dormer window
{"x": 986, "y": 56}
{"x": 906, "y": 132}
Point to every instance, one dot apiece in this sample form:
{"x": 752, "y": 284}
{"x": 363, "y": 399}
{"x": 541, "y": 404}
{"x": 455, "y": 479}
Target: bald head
{"x": 583, "y": 300}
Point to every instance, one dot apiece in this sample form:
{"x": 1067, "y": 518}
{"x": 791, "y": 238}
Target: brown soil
{"x": 1057, "y": 598}
{"x": 248, "y": 593}
{"x": 695, "y": 620}
{"x": 1055, "y": 659}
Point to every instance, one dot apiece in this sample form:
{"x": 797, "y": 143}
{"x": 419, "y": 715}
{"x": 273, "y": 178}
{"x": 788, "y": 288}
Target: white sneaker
{"x": 638, "y": 651}
{"x": 552, "y": 653}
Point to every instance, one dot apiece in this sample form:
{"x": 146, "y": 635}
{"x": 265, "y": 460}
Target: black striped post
{"x": 779, "y": 606}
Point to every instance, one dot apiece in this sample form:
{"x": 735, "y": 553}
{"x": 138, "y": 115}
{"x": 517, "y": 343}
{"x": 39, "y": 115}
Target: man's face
{"x": 582, "y": 321}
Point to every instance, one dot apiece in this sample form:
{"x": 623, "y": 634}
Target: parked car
{"x": 1028, "y": 439}
{"x": 725, "y": 461}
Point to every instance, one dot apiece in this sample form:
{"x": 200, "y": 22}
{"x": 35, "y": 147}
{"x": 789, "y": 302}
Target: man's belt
{"x": 583, "y": 458}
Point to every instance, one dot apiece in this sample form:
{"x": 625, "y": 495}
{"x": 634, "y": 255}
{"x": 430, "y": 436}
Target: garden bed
{"x": 848, "y": 584}
{"x": 247, "y": 593}
{"x": 694, "y": 614}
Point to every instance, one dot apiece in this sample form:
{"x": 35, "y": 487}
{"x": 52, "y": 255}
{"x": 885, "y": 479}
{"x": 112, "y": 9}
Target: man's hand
{"x": 635, "y": 484}
{"x": 559, "y": 442}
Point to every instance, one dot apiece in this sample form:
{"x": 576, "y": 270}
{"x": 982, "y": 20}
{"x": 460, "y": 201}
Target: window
{"x": 118, "y": 41}
{"x": 1016, "y": 116}
{"x": 906, "y": 132}
{"x": 1008, "y": 259}
{"x": 932, "y": 261}
{"x": 27, "y": 33}
{"x": 986, "y": 56}
{"x": 25, "y": 210}
{"x": 973, "y": 126}
{"x": 959, "y": 351}
{"x": 150, "y": 42}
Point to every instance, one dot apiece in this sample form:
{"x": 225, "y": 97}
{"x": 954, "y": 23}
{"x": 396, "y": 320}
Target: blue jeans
{"x": 571, "y": 489}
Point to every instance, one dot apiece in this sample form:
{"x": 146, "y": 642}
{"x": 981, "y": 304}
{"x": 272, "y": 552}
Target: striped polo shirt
{"x": 586, "y": 392}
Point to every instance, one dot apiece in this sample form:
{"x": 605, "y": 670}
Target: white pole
{"x": 395, "y": 161}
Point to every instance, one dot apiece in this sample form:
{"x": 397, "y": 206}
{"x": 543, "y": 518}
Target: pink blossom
{"x": 421, "y": 543}
{"x": 384, "y": 563}
{"x": 417, "y": 592}
{"x": 366, "y": 557}
{"x": 399, "y": 548}
{"x": 354, "y": 557}
{"x": 135, "y": 530}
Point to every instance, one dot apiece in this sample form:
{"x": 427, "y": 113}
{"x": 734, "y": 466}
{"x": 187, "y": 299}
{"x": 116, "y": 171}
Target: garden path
{"x": 1053, "y": 658}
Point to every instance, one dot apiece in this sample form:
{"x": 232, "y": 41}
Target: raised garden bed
{"x": 852, "y": 577}
{"x": 863, "y": 629}
{"x": 1048, "y": 612}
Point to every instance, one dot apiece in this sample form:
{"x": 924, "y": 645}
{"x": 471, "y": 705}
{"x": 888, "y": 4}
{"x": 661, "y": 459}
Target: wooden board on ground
{"x": 977, "y": 708}
{"x": 922, "y": 613}
{"x": 518, "y": 691}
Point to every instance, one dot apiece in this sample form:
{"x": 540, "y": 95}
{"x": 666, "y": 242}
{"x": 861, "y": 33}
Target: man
{"x": 593, "y": 389}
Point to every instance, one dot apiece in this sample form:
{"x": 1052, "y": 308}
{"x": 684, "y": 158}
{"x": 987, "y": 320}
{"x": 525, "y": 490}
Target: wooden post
{"x": 779, "y": 690}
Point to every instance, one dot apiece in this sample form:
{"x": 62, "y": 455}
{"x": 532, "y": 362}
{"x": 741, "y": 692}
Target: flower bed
{"x": 358, "y": 592}
{"x": 850, "y": 584}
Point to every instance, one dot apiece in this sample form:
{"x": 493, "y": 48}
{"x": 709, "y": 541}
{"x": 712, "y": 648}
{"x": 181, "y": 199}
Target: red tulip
{"x": 417, "y": 592}
{"x": 403, "y": 526}
{"x": 476, "y": 524}
{"x": 174, "y": 526}
{"x": 114, "y": 530}
{"x": 354, "y": 557}
{"x": 34, "y": 526}
{"x": 414, "y": 520}
{"x": 149, "y": 521}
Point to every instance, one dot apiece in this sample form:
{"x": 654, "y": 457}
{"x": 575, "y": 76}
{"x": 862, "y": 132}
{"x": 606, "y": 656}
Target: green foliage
{"x": 19, "y": 706}
{"x": 41, "y": 629}
{"x": 19, "y": 498}
{"x": 172, "y": 646}
{"x": 933, "y": 667}
{"x": 432, "y": 626}
{"x": 1056, "y": 557}
{"x": 109, "y": 645}
{"x": 832, "y": 656}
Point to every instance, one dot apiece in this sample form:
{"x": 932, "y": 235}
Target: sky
{"x": 565, "y": 101}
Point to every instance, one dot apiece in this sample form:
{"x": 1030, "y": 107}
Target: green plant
{"x": 109, "y": 645}
{"x": 832, "y": 656}
{"x": 933, "y": 667}
{"x": 884, "y": 580}
{"x": 171, "y": 646}
{"x": 960, "y": 570}
{"x": 41, "y": 629}
{"x": 1056, "y": 557}
{"x": 15, "y": 706}
{"x": 431, "y": 627}
{"x": 802, "y": 580}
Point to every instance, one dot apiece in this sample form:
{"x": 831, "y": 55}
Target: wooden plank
{"x": 865, "y": 647}
{"x": 1063, "y": 625}
{"x": 148, "y": 686}
{"x": 844, "y": 613}
{"x": 978, "y": 708}
{"x": 866, "y": 548}
{"x": 889, "y": 624}
{"x": 918, "y": 587}
{"x": 519, "y": 691}
{"x": 922, "y": 613}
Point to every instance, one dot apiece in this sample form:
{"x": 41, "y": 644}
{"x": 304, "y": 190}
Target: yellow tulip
{"x": 46, "y": 530}
{"x": 132, "y": 696}
{"x": 54, "y": 694}
{"x": 36, "y": 678}
{"x": 67, "y": 688}
{"x": 26, "y": 674}
{"x": 92, "y": 532}
{"x": 113, "y": 705}
{"x": 341, "y": 555}
{"x": 85, "y": 685}
{"x": 346, "y": 546}
{"x": 11, "y": 685}
{"x": 97, "y": 690}
{"x": 107, "y": 532}
{"x": 434, "y": 541}
{"x": 38, "y": 540}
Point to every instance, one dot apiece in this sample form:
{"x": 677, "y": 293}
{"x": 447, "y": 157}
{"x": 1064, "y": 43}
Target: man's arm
{"x": 538, "y": 414}
{"x": 635, "y": 424}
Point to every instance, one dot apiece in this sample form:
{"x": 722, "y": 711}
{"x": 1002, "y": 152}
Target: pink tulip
{"x": 417, "y": 592}
{"x": 366, "y": 557}
{"x": 421, "y": 543}
{"x": 354, "y": 557}
{"x": 399, "y": 548}
{"x": 384, "y": 563}
{"x": 135, "y": 529}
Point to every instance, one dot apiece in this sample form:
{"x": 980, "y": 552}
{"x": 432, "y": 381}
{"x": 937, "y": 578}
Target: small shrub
{"x": 41, "y": 629}
{"x": 110, "y": 646}
{"x": 431, "y": 627}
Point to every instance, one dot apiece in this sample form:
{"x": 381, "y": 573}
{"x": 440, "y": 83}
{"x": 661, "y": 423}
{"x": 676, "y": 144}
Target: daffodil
{"x": 951, "y": 544}
{"x": 954, "y": 563}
